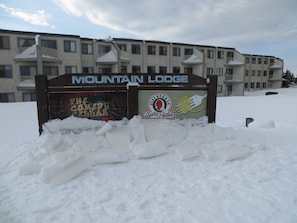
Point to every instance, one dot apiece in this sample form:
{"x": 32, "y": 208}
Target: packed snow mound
{"x": 70, "y": 146}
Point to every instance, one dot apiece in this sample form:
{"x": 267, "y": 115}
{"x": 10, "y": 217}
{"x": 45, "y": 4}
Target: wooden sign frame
{"x": 129, "y": 84}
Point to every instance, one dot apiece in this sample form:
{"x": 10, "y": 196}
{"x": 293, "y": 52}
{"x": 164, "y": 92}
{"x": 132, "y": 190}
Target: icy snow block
{"x": 30, "y": 168}
{"x": 104, "y": 156}
{"x": 164, "y": 131}
{"x": 263, "y": 124}
{"x": 149, "y": 150}
{"x": 64, "y": 167}
{"x": 105, "y": 128}
{"x": 227, "y": 152}
{"x": 235, "y": 152}
{"x": 186, "y": 151}
{"x": 119, "y": 140}
{"x": 136, "y": 129}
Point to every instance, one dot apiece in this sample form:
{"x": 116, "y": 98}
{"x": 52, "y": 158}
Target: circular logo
{"x": 159, "y": 102}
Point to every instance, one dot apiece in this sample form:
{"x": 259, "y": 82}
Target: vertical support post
{"x": 42, "y": 100}
{"x": 132, "y": 100}
{"x": 212, "y": 98}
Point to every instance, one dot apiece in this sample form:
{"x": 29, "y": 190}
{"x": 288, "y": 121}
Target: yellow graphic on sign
{"x": 189, "y": 104}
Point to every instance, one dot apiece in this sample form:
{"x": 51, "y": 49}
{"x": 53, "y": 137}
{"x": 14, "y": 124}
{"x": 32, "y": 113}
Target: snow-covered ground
{"x": 153, "y": 171}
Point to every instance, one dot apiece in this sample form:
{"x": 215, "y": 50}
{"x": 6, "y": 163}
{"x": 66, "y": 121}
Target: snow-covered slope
{"x": 153, "y": 171}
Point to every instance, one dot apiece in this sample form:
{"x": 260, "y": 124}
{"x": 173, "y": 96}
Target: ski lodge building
{"x": 25, "y": 54}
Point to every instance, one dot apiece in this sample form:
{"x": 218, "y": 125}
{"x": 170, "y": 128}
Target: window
{"x": 229, "y": 71}
{"x": 259, "y": 60}
{"x": 25, "y": 42}
{"x": 258, "y": 85}
{"x": 220, "y": 54}
{"x": 104, "y": 70}
{"x": 124, "y": 69}
{"x": 188, "y": 70}
{"x": 163, "y": 50}
{"x": 102, "y": 49}
{"x": 151, "y": 69}
{"x": 4, "y": 42}
{"x": 50, "y": 71}
{"x": 259, "y": 72}
{"x": 69, "y": 46}
{"x": 247, "y": 60}
{"x": 246, "y": 85}
{"x": 5, "y": 71}
{"x": 162, "y": 69}
{"x": 246, "y": 72}
{"x": 220, "y": 71}
{"x": 49, "y": 43}
{"x": 176, "y": 70}
{"x": 188, "y": 51}
{"x": 70, "y": 69}
{"x": 136, "y": 69}
{"x": 265, "y": 61}
{"x": 28, "y": 70}
{"x": 209, "y": 70}
{"x": 29, "y": 96}
{"x": 87, "y": 48}
{"x": 253, "y": 60}
{"x": 229, "y": 89}
{"x": 136, "y": 49}
{"x": 230, "y": 54}
{"x": 151, "y": 50}
{"x": 271, "y": 61}
{"x": 88, "y": 70}
{"x": 219, "y": 88}
{"x": 265, "y": 73}
{"x": 209, "y": 53}
{"x": 176, "y": 51}
{"x": 252, "y": 85}
{"x": 7, "y": 97}
{"x": 122, "y": 47}
{"x": 253, "y": 72}
{"x": 264, "y": 85}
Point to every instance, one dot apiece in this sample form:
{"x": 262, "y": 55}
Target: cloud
{"x": 217, "y": 22}
{"x": 38, "y": 18}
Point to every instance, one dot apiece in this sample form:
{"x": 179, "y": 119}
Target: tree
{"x": 289, "y": 77}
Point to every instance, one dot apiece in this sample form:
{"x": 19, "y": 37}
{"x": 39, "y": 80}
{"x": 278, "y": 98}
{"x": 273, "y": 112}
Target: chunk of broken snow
{"x": 149, "y": 150}
{"x": 63, "y": 167}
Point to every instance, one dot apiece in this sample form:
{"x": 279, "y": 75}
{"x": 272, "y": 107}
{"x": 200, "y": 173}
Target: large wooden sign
{"x": 115, "y": 96}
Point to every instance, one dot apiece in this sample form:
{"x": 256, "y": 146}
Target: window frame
{"x": 70, "y": 46}
{"x": 49, "y": 43}
{"x": 4, "y": 40}
{"x": 7, "y": 73}
{"x": 151, "y": 50}
{"x": 136, "y": 49}
{"x": 163, "y": 50}
{"x": 87, "y": 48}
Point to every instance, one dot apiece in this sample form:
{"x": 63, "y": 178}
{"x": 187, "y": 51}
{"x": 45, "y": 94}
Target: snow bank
{"x": 70, "y": 146}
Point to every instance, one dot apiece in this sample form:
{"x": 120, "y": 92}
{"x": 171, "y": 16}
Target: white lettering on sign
{"x": 124, "y": 79}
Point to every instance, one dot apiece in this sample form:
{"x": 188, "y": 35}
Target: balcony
{"x": 273, "y": 77}
{"x": 192, "y": 60}
{"x": 230, "y": 78}
{"x": 275, "y": 67}
{"x": 30, "y": 54}
{"x": 111, "y": 57}
{"x": 234, "y": 63}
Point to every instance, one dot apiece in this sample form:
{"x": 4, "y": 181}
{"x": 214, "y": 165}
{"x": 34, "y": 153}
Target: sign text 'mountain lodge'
{"x": 124, "y": 79}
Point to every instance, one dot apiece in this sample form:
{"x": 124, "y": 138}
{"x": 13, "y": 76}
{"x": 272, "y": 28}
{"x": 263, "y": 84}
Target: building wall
{"x": 58, "y": 54}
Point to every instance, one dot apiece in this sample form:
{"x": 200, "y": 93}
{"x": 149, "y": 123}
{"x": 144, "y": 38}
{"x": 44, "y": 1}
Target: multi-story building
{"x": 262, "y": 72}
{"x": 25, "y": 54}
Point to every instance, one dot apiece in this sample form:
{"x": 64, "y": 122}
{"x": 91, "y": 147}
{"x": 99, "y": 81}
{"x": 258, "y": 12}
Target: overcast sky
{"x": 263, "y": 27}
